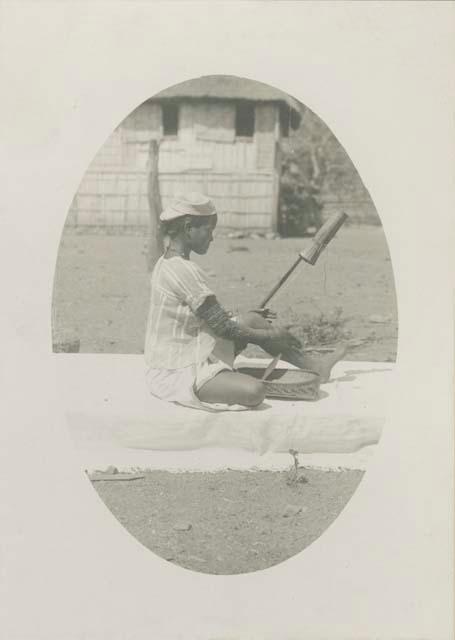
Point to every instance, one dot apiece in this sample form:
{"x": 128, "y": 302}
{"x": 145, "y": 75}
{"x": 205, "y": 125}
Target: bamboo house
{"x": 217, "y": 134}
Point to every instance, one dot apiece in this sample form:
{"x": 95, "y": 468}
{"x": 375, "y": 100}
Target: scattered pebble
{"x": 196, "y": 559}
{"x": 111, "y": 470}
{"x": 379, "y": 319}
{"x": 292, "y": 510}
{"x": 357, "y": 343}
{"x": 237, "y": 235}
{"x": 231, "y": 249}
{"x": 182, "y": 526}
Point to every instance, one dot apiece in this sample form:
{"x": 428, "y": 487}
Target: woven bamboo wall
{"x": 119, "y": 198}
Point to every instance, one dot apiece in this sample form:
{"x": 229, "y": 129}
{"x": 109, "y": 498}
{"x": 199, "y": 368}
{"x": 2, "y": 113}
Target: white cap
{"x": 191, "y": 204}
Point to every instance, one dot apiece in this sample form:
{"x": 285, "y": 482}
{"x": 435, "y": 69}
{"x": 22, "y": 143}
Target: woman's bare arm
{"x": 223, "y": 326}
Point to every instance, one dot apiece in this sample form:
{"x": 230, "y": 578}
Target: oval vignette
{"x": 226, "y": 492}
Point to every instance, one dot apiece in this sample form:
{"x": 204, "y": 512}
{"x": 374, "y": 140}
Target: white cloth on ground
{"x": 107, "y": 407}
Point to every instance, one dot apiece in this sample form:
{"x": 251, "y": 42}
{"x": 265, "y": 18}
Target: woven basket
{"x": 290, "y": 384}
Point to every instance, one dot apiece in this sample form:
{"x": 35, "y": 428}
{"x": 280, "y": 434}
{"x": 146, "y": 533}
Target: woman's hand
{"x": 265, "y": 313}
{"x": 282, "y": 340}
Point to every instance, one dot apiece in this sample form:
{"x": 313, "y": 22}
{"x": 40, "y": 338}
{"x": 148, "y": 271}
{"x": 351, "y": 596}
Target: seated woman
{"x": 191, "y": 341}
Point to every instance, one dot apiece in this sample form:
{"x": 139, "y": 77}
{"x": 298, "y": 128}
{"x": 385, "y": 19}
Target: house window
{"x": 170, "y": 119}
{"x": 244, "y": 120}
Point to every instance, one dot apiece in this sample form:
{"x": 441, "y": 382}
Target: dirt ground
{"x": 101, "y": 295}
{"x": 228, "y": 522}
{"x": 101, "y": 287}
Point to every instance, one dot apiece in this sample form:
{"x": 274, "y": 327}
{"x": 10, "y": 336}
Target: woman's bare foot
{"x": 323, "y": 364}
{"x": 319, "y": 364}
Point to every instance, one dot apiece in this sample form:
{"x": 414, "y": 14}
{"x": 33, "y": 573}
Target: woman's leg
{"x": 321, "y": 365}
{"x": 229, "y": 387}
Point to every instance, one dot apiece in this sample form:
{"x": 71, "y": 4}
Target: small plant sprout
{"x": 295, "y": 457}
{"x": 295, "y": 473}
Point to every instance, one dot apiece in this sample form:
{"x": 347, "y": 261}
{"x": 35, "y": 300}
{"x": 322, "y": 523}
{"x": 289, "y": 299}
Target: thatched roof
{"x": 231, "y": 88}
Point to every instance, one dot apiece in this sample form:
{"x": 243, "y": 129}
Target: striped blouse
{"x": 175, "y": 336}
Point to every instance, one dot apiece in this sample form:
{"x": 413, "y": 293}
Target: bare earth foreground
{"x": 232, "y": 521}
{"x": 228, "y": 522}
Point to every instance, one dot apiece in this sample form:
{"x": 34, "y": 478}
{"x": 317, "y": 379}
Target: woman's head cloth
{"x": 191, "y": 204}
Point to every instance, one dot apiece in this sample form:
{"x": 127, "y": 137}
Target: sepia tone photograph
{"x": 228, "y": 323}
{"x": 225, "y": 311}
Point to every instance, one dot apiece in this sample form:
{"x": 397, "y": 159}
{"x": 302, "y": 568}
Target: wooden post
{"x": 155, "y": 238}
{"x": 276, "y": 180}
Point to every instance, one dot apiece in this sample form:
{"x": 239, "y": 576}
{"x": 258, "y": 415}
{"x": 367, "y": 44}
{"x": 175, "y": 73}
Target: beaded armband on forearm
{"x": 224, "y": 326}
